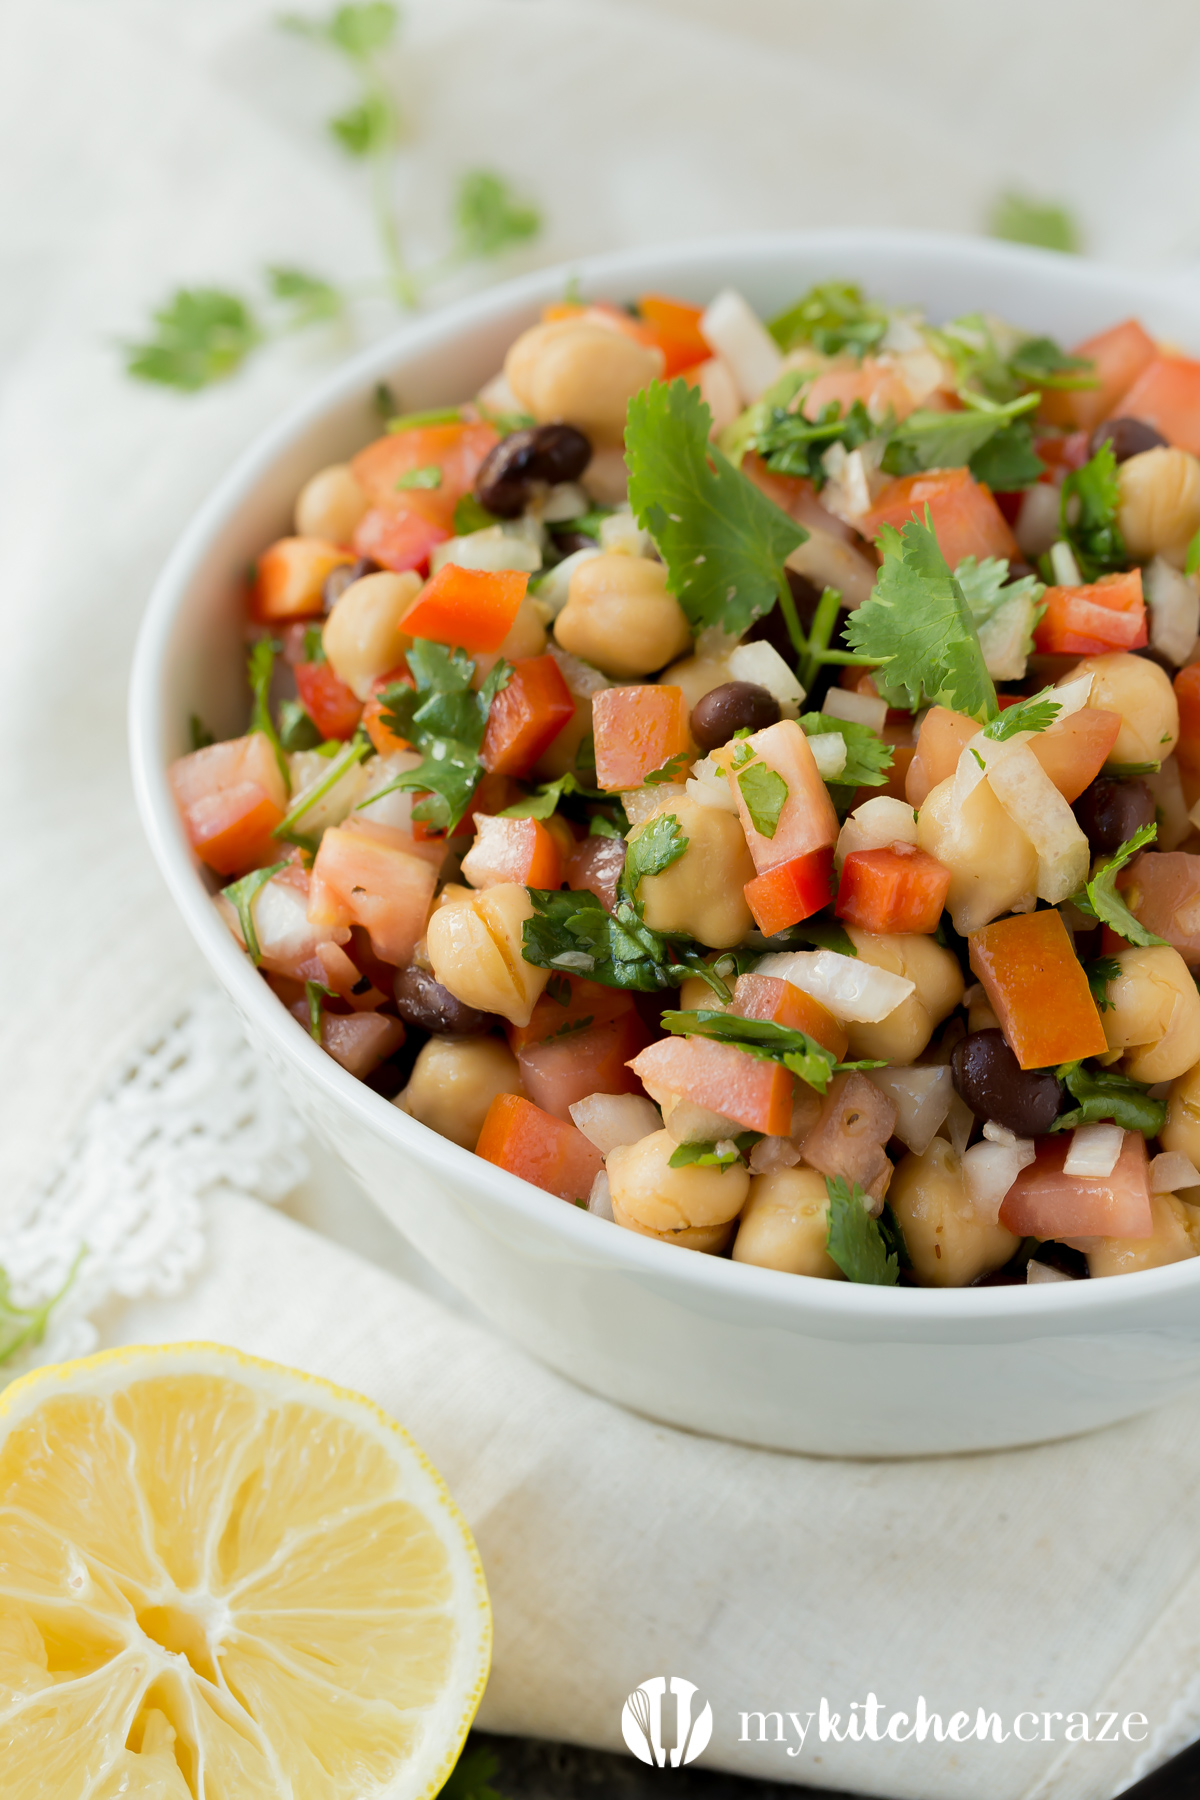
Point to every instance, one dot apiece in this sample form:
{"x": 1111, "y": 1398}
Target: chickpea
{"x": 695, "y": 993}
{"x": 1182, "y": 1129}
{"x": 901, "y": 1037}
{"x": 1153, "y": 1014}
{"x": 454, "y": 1081}
{"x": 527, "y": 636}
{"x": 784, "y": 1224}
{"x": 620, "y": 616}
{"x": 474, "y": 950}
{"x": 709, "y": 1239}
{"x": 581, "y": 372}
{"x": 697, "y": 676}
{"x": 948, "y": 1242}
{"x": 1142, "y": 693}
{"x": 1174, "y": 1236}
{"x": 330, "y": 505}
{"x": 992, "y": 864}
{"x": 659, "y": 1198}
{"x": 703, "y": 892}
{"x": 362, "y": 636}
{"x": 1160, "y": 503}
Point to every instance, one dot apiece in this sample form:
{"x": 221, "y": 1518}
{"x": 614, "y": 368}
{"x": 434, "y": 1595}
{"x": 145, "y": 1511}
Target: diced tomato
{"x": 1063, "y": 451}
{"x": 519, "y": 850}
{"x": 768, "y": 997}
{"x": 231, "y": 797}
{"x": 567, "y": 1006}
{"x": 1119, "y": 355}
{"x": 676, "y": 330}
{"x": 382, "y": 736}
{"x": 1187, "y": 693}
{"x": 781, "y": 897}
{"x": 899, "y": 888}
{"x": 359, "y": 880}
{"x": 1044, "y": 1202}
{"x": 966, "y": 519}
{"x": 342, "y": 974}
{"x": 456, "y": 450}
{"x": 360, "y": 1040}
{"x": 290, "y": 576}
{"x": 943, "y": 737}
{"x": 563, "y": 1070}
{"x": 880, "y": 387}
{"x": 541, "y": 1149}
{"x": 1109, "y": 614}
{"x": 473, "y": 609}
{"x": 1037, "y": 989}
{"x": 1167, "y": 395}
{"x": 595, "y": 866}
{"x": 807, "y": 820}
{"x": 526, "y": 716}
{"x": 637, "y": 730}
{"x": 334, "y": 708}
{"x": 398, "y": 537}
{"x": 1076, "y": 748}
{"x": 755, "y": 1092}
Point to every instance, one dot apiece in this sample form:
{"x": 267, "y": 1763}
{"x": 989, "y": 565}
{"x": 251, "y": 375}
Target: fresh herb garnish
{"x": 707, "y": 1156}
{"x": 545, "y": 801}
{"x": 490, "y": 218}
{"x": 445, "y": 721}
{"x": 429, "y": 476}
{"x": 918, "y": 625}
{"x": 763, "y": 1038}
{"x": 316, "y": 994}
{"x": 855, "y": 1240}
{"x": 469, "y": 516}
{"x": 671, "y": 771}
{"x": 790, "y": 444}
{"x": 1099, "y": 973}
{"x": 655, "y": 848}
{"x": 21, "y": 1325}
{"x": 241, "y": 895}
{"x": 825, "y": 932}
{"x": 296, "y": 729}
{"x": 1192, "y": 560}
{"x": 1088, "y": 507}
{"x": 310, "y": 299}
{"x": 947, "y": 440}
{"x": 1043, "y": 223}
{"x": 1035, "y": 714}
{"x": 833, "y": 316}
{"x": 765, "y": 793}
{"x": 200, "y": 335}
{"x": 260, "y": 666}
{"x": 724, "y": 543}
{"x": 346, "y": 756}
{"x": 570, "y": 931}
{"x": 868, "y": 758}
{"x": 201, "y": 737}
{"x": 1103, "y": 1095}
{"x": 1099, "y": 899}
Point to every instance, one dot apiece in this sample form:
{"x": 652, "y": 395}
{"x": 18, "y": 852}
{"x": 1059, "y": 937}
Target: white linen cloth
{"x": 145, "y": 143}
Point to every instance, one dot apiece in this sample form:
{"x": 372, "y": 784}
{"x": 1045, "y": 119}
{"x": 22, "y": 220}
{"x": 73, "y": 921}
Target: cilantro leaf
{"x": 1103, "y": 1095}
{"x": 241, "y": 895}
{"x": 1192, "y": 560}
{"x": 708, "y": 1156}
{"x": 316, "y": 994}
{"x": 832, "y": 317}
{"x": 1041, "y": 363}
{"x": 825, "y": 932}
{"x": 770, "y": 408}
{"x": 368, "y": 127}
{"x": 1088, "y": 506}
{"x": 428, "y": 476}
{"x": 854, "y": 1239}
{"x": 1008, "y": 461}
{"x": 542, "y": 804}
{"x": 654, "y": 849}
{"x": 724, "y": 543}
{"x": 21, "y": 1325}
{"x": 765, "y": 793}
{"x": 1035, "y": 714}
{"x": 359, "y": 30}
{"x": 201, "y": 335}
{"x": 469, "y": 516}
{"x": 918, "y": 625}
{"x": 1042, "y": 223}
{"x": 199, "y": 734}
{"x": 947, "y": 440}
{"x": 762, "y": 1038}
{"x": 790, "y": 444}
{"x": 570, "y": 931}
{"x": 489, "y": 217}
{"x": 296, "y": 729}
{"x": 986, "y": 587}
{"x": 868, "y": 758}
{"x": 260, "y": 666}
{"x": 1099, "y": 973}
{"x": 671, "y": 771}
{"x": 446, "y": 722}
{"x": 1100, "y": 899}
{"x": 312, "y": 301}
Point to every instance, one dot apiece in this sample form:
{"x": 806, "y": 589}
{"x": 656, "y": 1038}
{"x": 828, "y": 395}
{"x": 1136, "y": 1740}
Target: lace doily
{"x": 194, "y": 1111}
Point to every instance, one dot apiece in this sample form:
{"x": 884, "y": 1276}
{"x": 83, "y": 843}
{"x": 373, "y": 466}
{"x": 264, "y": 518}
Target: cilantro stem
{"x": 353, "y": 753}
{"x": 787, "y": 606}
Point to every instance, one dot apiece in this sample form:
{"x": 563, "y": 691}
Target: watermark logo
{"x": 642, "y": 1722}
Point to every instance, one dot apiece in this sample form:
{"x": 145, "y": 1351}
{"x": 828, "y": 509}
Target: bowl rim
{"x": 1062, "y": 1305}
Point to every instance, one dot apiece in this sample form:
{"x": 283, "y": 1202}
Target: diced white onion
{"x": 1171, "y": 1171}
{"x": 1072, "y": 696}
{"x": 492, "y": 549}
{"x": 773, "y": 1153}
{"x": 852, "y": 989}
{"x": 998, "y": 1134}
{"x": 1174, "y": 609}
{"x": 829, "y": 753}
{"x": 733, "y": 329}
{"x": 1036, "y": 807}
{"x": 582, "y": 679}
{"x": 719, "y": 392}
{"x": 566, "y": 500}
{"x": 642, "y": 803}
{"x": 875, "y": 824}
{"x": 960, "y": 1123}
{"x": 1037, "y": 521}
{"x": 1062, "y": 561}
{"x": 1038, "y": 1272}
{"x": 1004, "y": 638}
{"x": 1095, "y": 1150}
{"x": 610, "y": 1120}
{"x": 497, "y": 397}
{"x": 600, "y": 1198}
{"x": 709, "y": 785}
{"x": 860, "y": 709}
{"x": 554, "y": 588}
{"x": 990, "y": 1169}
{"x": 621, "y": 533}
{"x": 761, "y": 663}
{"x": 922, "y": 1099}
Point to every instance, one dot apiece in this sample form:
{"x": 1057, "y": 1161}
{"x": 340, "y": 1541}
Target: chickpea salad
{"x": 743, "y": 778}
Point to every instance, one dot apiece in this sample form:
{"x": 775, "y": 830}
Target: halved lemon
{"x": 224, "y": 1580}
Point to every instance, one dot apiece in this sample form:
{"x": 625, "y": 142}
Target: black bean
{"x": 420, "y": 1000}
{"x": 568, "y": 542}
{"x": 734, "y": 706}
{"x": 1110, "y": 811}
{"x": 545, "y": 454}
{"x": 994, "y": 1085}
{"x": 1129, "y": 437}
{"x": 339, "y": 579}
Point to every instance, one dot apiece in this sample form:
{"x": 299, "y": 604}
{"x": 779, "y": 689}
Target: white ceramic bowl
{"x": 698, "y": 1341}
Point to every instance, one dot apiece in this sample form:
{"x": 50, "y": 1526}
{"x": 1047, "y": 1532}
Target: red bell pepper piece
{"x": 1109, "y": 614}
{"x": 473, "y": 609}
{"x": 519, "y": 850}
{"x": 382, "y": 736}
{"x": 637, "y": 730}
{"x": 526, "y": 716}
{"x": 289, "y": 577}
{"x": 541, "y": 1149}
{"x": 966, "y": 519}
{"x": 398, "y": 537}
{"x": 676, "y": 330}
{"x": 899, "y": 888}
{"x": 333, "y": 707}
{"x": 791, "y": 891}
{"x": 1037, "y": 989}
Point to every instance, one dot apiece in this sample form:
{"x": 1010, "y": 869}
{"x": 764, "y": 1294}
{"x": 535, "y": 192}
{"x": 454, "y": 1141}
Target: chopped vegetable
{"x": 469, "y": 609}
{"x": 791, "y": 891}
{"x": 638, "y": 731}
{"x": 1045, "y": 1202}
{"x": 964, "y": 516}
{"x": 1100, "y": 899}
{"x": 334, "y": 708}
{"x": 231, "y": 797}
{"x": 359, "y": 880}
{"x": 289, "y": 578}
{"x": 855, "y": 1240}
{"x": 531, "y": 1143}
{"x": 1166, "y": 395}
{"x": 446, "y": 721}
{"x": 591, "y": 1059}
{"x": 1037, "y": 989}
{"x": 526, "y": 716}
{"x": 519, "y": 850}
{"x": 398, "y": 537}
{"x": 769, "y": 997}
{"x": 806, "y": 820}
{"x": 896, "y": 889}
{"x": 720, "y": 1077}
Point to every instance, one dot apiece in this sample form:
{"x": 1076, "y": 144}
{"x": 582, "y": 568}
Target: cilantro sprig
{"x": 855, "y": 1240}
{"x": 1035, "y": 714}
{"x": 241, "y": 895}
{"x": 868, "y": 758}
{"x": 1101, "y": 1094}
{"x": 947, "y": 440}
{"x": 260, "y": 667}
{"x": 1088, "y": 505}
{"x": 711, "y": 1156}
{"x": 832, "y": 316}
{"x": 1099, "y": 898}
{"x": 445, "y": 720}
{"x": 790, "y": 444}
